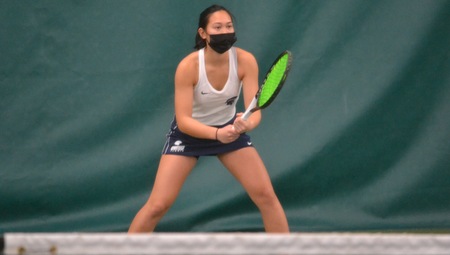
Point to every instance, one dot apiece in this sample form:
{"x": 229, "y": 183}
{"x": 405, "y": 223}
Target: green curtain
{"x": 357, "y": 140}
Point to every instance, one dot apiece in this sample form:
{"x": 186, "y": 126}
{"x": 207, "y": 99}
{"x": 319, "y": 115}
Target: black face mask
{"x": 222, "y": 42}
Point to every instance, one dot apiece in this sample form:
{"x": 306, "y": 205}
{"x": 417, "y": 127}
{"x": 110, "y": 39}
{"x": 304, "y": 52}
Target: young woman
{"x": 207, "y": 86}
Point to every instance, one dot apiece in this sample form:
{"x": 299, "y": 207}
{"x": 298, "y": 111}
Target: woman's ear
{"x": 202, "y": 33}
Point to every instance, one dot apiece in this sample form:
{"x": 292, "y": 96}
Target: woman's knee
{"x": 156, "y": 209}
{"x": 264, "y": 197}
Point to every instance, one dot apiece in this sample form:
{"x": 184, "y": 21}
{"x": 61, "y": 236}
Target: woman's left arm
{"x": 248, "y": 73}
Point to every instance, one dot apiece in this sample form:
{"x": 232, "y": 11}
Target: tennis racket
{"x": 272, "y": 84}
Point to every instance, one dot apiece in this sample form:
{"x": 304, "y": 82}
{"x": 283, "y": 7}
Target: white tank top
{"x": 216, "y": 107}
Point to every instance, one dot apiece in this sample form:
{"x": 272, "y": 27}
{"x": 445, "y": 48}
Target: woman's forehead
{"x": 220, "y": 17}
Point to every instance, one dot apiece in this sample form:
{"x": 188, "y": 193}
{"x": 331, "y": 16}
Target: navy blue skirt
{"x": 179, "y": 143}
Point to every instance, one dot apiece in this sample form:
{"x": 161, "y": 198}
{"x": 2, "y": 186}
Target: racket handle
{"x": 245, "y": 116}
{"x": 248, "y": 112}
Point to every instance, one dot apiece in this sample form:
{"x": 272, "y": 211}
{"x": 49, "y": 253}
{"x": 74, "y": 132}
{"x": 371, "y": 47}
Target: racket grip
{"x": 249, "y": 111}
{"x": 246, "y": 114}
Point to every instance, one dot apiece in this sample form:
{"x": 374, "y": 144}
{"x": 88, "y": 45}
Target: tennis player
{"x": 208, "y": 83}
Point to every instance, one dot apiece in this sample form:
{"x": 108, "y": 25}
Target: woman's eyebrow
{"x": 220, "y": 23}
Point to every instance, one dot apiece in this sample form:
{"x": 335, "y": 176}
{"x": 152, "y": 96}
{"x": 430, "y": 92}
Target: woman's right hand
{"x": 227, "y": 134}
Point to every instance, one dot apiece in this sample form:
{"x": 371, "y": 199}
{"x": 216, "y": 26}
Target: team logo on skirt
{"x": 177, "y": 147}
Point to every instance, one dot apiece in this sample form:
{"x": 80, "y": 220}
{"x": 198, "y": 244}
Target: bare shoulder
{"x": 247, "y": 64}
{"x": 245, "y": 57}
{"x": 188, "y": 68}
{"x": 189, "y": 62}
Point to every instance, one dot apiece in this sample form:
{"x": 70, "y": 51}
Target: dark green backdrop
{"x": 357, "y": 140}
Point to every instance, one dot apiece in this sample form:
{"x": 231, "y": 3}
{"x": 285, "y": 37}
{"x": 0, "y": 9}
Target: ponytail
{"x": 199, "y": 42}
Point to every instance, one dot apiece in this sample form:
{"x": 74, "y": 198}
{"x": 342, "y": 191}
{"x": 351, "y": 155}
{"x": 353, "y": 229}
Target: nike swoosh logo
{"x": 249, "y": 143}
{"x": 204, "y": 93}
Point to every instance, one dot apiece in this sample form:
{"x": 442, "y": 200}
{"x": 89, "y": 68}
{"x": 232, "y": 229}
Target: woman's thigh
{"x": 248, "y": 168}
{"x": 170, "y": 177}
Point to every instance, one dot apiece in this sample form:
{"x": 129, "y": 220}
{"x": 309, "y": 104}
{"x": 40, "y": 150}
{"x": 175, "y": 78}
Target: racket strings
{"x": 273, "y": 80}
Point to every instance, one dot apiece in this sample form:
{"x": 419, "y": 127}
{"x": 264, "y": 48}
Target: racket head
{"x": 274, "y": 80}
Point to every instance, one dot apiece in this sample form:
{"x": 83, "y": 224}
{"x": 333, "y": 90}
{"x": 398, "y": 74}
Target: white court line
{"x": 226, "y": 243}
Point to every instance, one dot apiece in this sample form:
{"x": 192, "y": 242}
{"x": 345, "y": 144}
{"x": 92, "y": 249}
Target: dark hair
{"x": 203, "y": 21}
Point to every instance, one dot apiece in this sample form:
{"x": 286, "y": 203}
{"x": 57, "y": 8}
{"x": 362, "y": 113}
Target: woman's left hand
{"x": 240, "y": 125}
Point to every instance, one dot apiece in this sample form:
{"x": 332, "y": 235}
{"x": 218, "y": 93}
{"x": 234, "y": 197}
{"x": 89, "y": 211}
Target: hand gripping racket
{"x": 272, "y": 84}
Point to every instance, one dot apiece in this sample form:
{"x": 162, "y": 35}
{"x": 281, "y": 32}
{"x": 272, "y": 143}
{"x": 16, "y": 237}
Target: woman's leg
{"x": 248, "y": 168}
{"x": 172, "y": 172}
